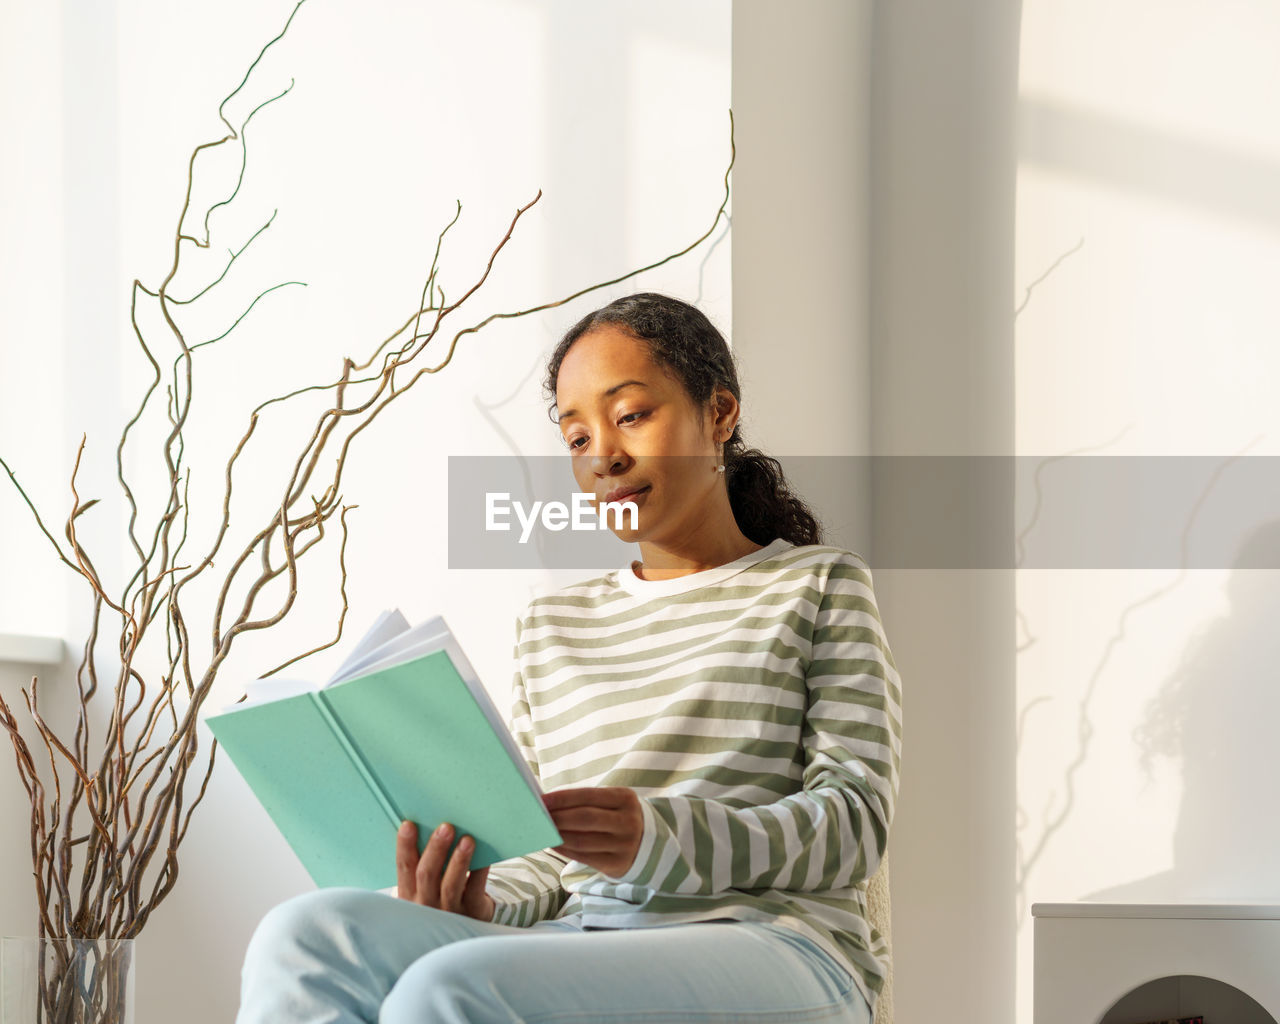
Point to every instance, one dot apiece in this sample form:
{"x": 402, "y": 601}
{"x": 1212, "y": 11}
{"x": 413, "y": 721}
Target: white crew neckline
{"x": 633, "y": 584}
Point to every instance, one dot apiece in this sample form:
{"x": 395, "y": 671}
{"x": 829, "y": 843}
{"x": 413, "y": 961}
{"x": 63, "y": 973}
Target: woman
{"x": 717, "y": 727}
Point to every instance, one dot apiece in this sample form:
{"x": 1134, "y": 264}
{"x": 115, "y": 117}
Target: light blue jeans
{"x": 350, "y": 956}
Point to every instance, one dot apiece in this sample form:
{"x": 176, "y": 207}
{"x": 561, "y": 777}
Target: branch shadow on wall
{"x": 1216, "y": 716}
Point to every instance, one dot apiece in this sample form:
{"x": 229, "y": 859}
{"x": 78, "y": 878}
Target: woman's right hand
{"x": 432, "y": 882}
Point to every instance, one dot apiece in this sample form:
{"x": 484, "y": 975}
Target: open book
{"x": 403, "y": 731}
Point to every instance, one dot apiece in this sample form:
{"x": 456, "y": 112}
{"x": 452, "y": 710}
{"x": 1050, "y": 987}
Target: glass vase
{"x": 66, "y": 981}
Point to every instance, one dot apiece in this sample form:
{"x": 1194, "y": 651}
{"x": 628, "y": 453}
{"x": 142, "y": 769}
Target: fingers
{"x": 590, "y": 842}
{"x": 436, "y": 879}
{"x": 601, "y": 826}
{"x": 406, "y": 860}
{"x": 589, "y": 819}
{"x": 612, "y": 822}
{"x": 454, "y": 879}
{"x": 614, "y": 797}
{"x": 606, "y": 854}
{"x": 431, "y": 864}
{"x": 475, "y": 886}
{"x": 589, "y": 833}
{"x": 476, "y": 901}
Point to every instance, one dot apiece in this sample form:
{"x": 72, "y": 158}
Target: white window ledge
{"x": 16, "y": 649}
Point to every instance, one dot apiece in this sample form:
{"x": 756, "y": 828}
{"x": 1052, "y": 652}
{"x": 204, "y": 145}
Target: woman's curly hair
{"x": 681, "y": 339}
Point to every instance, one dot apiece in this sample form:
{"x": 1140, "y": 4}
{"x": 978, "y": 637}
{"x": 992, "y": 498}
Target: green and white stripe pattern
{"x": 756, "y": 710}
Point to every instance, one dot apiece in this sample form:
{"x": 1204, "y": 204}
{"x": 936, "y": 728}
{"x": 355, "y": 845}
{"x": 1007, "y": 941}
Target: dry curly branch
{"x": 114, "y": 808}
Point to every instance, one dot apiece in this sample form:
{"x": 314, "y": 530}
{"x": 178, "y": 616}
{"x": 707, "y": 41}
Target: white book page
{"x": 264, "y": 691}
{"x": 405, "y": 646}
{"x": 390, "y": 624}
{"x": 385, "y": 628}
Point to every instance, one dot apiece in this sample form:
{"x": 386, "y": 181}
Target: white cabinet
{"x": 1090, "y": 956}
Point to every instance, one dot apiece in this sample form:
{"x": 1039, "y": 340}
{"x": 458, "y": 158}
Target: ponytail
{"x": 762, "y": 502}
{"x": 681, "y": 339}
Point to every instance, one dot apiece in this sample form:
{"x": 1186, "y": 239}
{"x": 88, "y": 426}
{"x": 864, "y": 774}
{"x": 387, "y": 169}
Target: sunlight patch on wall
{"x": 1148, "y": 244}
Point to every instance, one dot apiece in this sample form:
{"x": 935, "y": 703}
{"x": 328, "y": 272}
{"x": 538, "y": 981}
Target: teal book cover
{"x": 404, "y": 730}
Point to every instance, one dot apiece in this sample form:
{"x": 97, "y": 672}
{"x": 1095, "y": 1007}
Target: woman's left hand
{"x": 601, "y": 826}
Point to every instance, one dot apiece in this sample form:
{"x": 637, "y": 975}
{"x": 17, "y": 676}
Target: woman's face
{"x": 631, "y": 427}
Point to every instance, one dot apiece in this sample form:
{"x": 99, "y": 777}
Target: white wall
{"x": 873, "y": 232}
{"x": 872, "y": 256}
{"x": 942, "y": 178}
{"x": 802, "y": 106}
{"x": 617, "y": 112}
{"x": 1139, "y": 273}
{"x": 33, "y": 598}
{"x": 1149, "y": 153}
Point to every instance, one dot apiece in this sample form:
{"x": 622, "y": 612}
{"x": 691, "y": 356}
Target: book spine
{"x": 357, "y": 759}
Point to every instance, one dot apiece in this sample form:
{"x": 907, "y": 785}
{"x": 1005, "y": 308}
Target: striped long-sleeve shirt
{"x": 755, "y": 709}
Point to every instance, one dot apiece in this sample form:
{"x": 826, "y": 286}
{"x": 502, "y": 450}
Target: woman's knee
{"x": 462, "y": 983}
{"x": 301, "y": 919}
